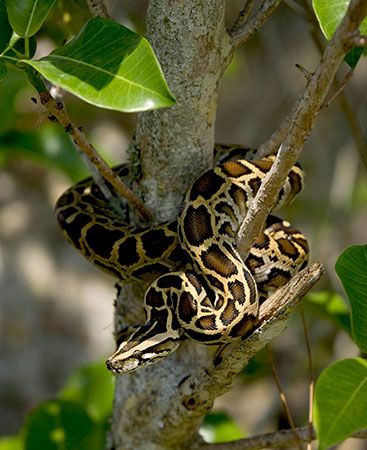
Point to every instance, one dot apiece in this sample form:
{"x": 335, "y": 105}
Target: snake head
{"x": 148, "y": 344}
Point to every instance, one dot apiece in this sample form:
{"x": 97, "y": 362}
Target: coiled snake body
{"x": 200, "y": 286}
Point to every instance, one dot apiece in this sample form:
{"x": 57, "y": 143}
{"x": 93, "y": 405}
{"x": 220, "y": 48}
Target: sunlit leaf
{"x": 27, "y": 16}
{"x": 351, "y": 268}
{"x": 329, "y": 14}
{"x": 340, "y": 406}
{"x": 109, "y": 66}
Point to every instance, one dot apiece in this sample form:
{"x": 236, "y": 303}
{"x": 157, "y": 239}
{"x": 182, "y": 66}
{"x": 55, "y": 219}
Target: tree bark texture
{"x": 172, "y": 147}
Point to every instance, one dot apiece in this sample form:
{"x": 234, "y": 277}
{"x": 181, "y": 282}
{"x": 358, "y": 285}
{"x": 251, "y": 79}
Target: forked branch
{"x": 297, "y": 126}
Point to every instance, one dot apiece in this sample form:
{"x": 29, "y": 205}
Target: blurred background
{"x": 56, "y": 309}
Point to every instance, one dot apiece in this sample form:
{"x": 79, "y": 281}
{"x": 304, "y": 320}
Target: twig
{"x": 284, "y": 401}
{"x": 304, "y": 71}
{"x": 339, "y": 89}
{"x": 310, "y": 372}
{"x": 240, "y": 34}
{"x": 243, "y": 15}
{"x": 299, "y": 123}
{"x": 98, "y": 8}
{"x": 277, "y": 439}
{"x": 58, "y": 111}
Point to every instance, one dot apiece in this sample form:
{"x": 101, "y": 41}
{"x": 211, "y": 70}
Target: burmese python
{"x": 200, "y": 287}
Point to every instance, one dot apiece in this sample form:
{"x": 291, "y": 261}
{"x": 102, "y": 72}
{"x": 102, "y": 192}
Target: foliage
{"x": 351, "y": 267}
{"x": 130, "y": 79}
{"x": 329, "y": 15}
{"x": 340, "y": 401}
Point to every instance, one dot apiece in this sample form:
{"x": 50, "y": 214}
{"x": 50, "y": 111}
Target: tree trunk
{"x": 172, "y": 147}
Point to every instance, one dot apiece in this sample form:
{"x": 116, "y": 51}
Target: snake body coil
{"x": 200, "y": 286}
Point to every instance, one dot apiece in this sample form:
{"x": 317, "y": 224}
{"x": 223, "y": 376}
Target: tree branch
{"x": 297, "y": 126}
{"x": 58, "y": 112}
{"x": 244, "y": 28}
{"x": 277, "y": 439}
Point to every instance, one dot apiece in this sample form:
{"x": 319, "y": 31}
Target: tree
{"x": 194, "y": 49}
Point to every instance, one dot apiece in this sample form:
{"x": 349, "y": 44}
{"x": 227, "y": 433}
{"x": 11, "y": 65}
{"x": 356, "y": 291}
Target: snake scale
{"x": 199, "y": 286}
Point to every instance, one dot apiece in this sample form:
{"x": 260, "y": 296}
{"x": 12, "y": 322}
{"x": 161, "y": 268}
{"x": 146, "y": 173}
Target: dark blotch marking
{"x": 215, "y": 259}
{"x": 128, "y": 254}
{"x": 237, "y": 291}
{"x": 197, "y": 225}
{"x": 235, "y": 169}
{"x": 263, "y": 164}
{"x": 295, "y": 181}
{"x": 74, "y": 229}
{"x": 65, "y": 200}
{"x": 187, "y": 307}
{"x": 168, "y": 281}
{"x": 206, "y": 323}
{"x": 206, "y": 186}
{"x": 195, "y": 282}
{"x": 154, "y": 298}
{"x": 230, "y": 313}
{"x": 244, "y": 327}
{"x": 239, "y": 197}
{"x": 101, "y": 240}
{"x": 156, "y": 242}
{"x": 150, "y": 272}
{"x": 110, "y": 270}
{"x": 255, "y": 185}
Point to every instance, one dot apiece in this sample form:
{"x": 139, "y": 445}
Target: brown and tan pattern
{"x": 200, "y": 287}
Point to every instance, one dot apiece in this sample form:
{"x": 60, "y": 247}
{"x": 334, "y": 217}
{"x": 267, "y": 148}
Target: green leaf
{"x": 27, "y": 16}
{"x": 219, "y": 427}
{"x": 3, "y": 70}
{"x": 330, "y": 306}
{"x": 351, "y": 268}
{"x": 340, "y": 405}
{"x": 11, "y": 443}
{"x": 5, "y": 28}
{"x": 93, "y": 387}
{"x": 60, "y": 426}
{"x": 330, "y": 14}
{"x": 109, "y": 66}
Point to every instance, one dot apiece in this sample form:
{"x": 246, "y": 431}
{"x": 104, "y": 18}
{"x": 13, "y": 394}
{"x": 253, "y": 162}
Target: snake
{"x": 199, "y": 286}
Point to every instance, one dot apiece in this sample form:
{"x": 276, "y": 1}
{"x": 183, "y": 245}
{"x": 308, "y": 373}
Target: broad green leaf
{"x": 27, "y": 16}
{"x": 91, "y": 386}
{"x": 330, "y": 306}
{"x": 5, "y": 28}
{"x": 60, "y": 426}
{"x": 3, "y": 70}
{"x": 11, "y": 443}
{"x": 340, "y": 405}
{"x": 351, "y": 268}
{"x": 330, "y": 13}
{"x": 109, "y": 66}
{"x": 219, "y": 427}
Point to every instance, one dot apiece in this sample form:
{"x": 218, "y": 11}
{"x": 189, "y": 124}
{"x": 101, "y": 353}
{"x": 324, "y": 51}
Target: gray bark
{"x": 172, "y": 147}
